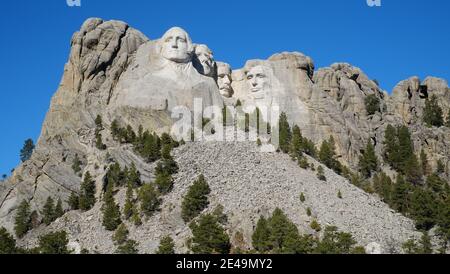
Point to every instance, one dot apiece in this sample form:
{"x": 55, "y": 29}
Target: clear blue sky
{"x": 400, "y": 39}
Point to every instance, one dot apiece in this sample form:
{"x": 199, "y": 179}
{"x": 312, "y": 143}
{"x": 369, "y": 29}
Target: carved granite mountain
{"x": 118, "y": 73}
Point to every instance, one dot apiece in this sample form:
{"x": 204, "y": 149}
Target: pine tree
{"x": 129, "y": 247}
{"x": 372, "y": 104}
{"x": 76, "y": 165}
{"x": 383, "y": 186}
{"x": 164, "y": 182}
{"x": 368, "y": 161}
{"x": 54, "y": 243}
{"x": 260, "y": 237}
{"x": 149, "y": 199}
{"x": 321, "y": 174}
{"x": 166, "y": 246}
{"x": 400, "y": 194}
{"x": 283, "y": 233}
{"x": 412, "y": 170}
{"x": 98, "y": 124}
{"x": 391, "y": 148}
{"x": 111, "y": 211}
{"x": 7, "y": 242}
{"x": 296, "y": 146}
{"x": 432, "y": 113}
{"x": 115, "y": 129}
{"x": 134, "y": 177}
{"x": 87, "y": 196}
{"x": 99, "y": 142}
{"x": 59, "y": 211}
{"x": 49, "y": 211}
{"x": 22, "y": 222}
{"x": 440, "y": 167}
{"x": 423, "y": 208}
{"x": 196, "y": 199}
{"x": 302, "y": 197}
{"x": 121, "y": 234}
{"x": 74, "y": 201}
{"x": 327, "y": 155}
{"x": 285, "y": 133}
{"x": 27, "y": 150}
{"x": 335, "y": 242}
{"x": 209, "y": 237}
{"x": 424, "y": 163}
{"x": 406, "y": 148}
{"x": 129, "y": 203}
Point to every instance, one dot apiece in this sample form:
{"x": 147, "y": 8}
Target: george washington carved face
{"x": 176, "y": 46}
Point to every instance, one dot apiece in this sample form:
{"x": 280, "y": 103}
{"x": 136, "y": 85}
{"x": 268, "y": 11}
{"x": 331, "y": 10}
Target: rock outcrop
{"x": 118, "y": 73}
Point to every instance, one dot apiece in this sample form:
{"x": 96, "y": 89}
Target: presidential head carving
{"x": 258, "y": 81}
{"x": 176, "y": 46}
{"x": 204, "y": 61}
{"x": 224, "y": 79}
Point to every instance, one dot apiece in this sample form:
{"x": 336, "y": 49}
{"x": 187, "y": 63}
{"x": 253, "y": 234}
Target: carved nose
{"x": 254, "y": 84}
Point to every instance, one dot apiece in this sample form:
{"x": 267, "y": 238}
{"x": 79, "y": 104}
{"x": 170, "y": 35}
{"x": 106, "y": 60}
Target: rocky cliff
{"x": 118, "y": 73}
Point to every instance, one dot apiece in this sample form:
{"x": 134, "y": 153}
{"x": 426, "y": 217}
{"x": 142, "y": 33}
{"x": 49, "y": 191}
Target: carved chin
{"x": 225, "y": 92}
{"x": 176, "y": 57}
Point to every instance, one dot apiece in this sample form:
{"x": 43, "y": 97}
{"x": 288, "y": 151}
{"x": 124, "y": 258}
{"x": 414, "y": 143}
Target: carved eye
{"x": 168, "y": 39}
{"x": 249, "y": 77}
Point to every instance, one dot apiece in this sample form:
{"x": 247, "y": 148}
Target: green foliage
{"x": 7, "y": 242}
{"x": 22, "y": 221}
{"x": 261, "y": 236}
{"x": 196, "y": 199}
{"x": 327, "y": 155}
{"x": 296, "y": 146}
{"x": 74, "y": 201}
{"x": 372, "y": 103}
{"x": 339, "y": 195}
{"x": 120, "y": 235}
{"x": 48, "y": 211}
{"x": 111, "y": 211}
{"x": 302, "y": 197}
{"x": 133, "y": 176}
{"x": 399, "y": 153}
{"x": 335, "y": 242}
{"x": 440, "y": 167}
{"x": 209, "y": 237}
{"x": 166, "y": 246}
{"x": 54, "y": 243}
{"x": 308, "y": 212}
{"x": 432, "y": 113}
{"x": 27, "y": 150}
{"x": 321, "y": 174}
{"x": 285, "y": 133}
{"x": 383, "y": 186}
{"x": 315, "y": 225}
{"x": 129, "y": 203}
{"x": 422, "y": 247}
{"x": 283, "y": 233}
{"x": 423, "y": 208}
{"x": 76, "y": 164}
{"x": 59, "y": 211}
{"x": 424, "y": 165}
{"x": 400, "y": 194}
{"x": 149, "y": 199}
{"x": 368, "y": 161}
{"x": 87, "y": 193}
{"x": 129, "y": 247}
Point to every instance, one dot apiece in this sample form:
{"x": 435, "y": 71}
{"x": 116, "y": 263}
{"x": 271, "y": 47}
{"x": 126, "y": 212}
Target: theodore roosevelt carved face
{"x": 176, "y": 45}
{"x": 224, "y": 79}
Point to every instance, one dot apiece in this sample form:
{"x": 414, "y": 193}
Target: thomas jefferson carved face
{"x": 205, "y": 59}
{"x": 224, "y": 79}
{"x": 176, "y": 46}
{"x": 258, "y": 82}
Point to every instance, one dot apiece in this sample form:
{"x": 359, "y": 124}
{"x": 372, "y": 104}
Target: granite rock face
{"x": 117, "y": 72}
